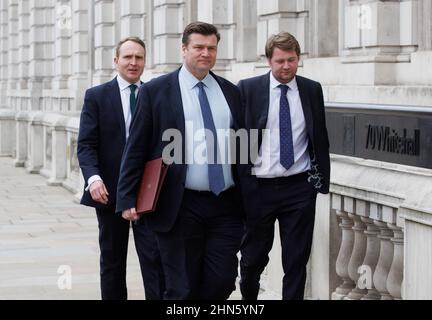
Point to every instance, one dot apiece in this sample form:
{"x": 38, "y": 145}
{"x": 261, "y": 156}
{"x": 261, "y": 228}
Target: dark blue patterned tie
{"x": 132, "y": 98}
{"x": 285, "y": 131}
{"x": 215, "y": 171}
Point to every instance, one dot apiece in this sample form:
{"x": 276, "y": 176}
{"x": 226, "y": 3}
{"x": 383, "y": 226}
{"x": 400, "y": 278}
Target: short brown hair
{"x": 284, "y": 41}
{"x": 201, "y": 28}
{"x": 133, "y": 39}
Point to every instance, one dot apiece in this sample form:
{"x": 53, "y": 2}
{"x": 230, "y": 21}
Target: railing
{"x": 370, "y": 262}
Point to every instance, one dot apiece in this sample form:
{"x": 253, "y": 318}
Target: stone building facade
{"x": 373, "y": 236}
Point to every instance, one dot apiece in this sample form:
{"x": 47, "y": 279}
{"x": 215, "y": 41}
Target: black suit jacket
{"x": 255, "y": 95}
{"x": 101, "y": 139}
{"x": 160, "y": 108}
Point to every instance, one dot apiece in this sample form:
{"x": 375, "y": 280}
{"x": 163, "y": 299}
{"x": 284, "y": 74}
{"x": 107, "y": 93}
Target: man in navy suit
{"x": 198, "y": 219}
{"x": 104, "y": 129}
{"x": 292, "y": 164}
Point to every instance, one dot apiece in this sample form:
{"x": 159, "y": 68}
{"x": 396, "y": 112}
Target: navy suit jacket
{"x": 255, "y": 95}
{"x": 101, "y": 139}
{"x": 160, "y": 108}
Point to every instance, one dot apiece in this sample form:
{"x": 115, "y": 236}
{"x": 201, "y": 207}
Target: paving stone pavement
{"x": 46, "y": 236}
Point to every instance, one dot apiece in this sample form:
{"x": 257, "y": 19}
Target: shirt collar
{"x": 274, "y": 83}
{"x": 191, "y": 80}
{"x": 123, "y": 84}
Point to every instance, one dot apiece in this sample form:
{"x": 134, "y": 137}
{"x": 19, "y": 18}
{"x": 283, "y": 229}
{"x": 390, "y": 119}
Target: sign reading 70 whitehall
{"x": 393, "y": 134}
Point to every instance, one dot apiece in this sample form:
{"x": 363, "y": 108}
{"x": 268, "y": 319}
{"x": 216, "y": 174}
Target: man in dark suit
{"x": 198, "y": 219}
{"x": 292, "y": 164}
{"x": 104, "y": 129}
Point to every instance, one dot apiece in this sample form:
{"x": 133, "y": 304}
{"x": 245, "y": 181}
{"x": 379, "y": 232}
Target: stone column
{"x": 13, "y": 76}
{"x": 168, "y": 26}
{"x": 378, "y": 34}
{"x": 21, "y": 118}
{"x": 7, "y": 129}
{"x": 63, "y": 56}
{"x": 345, "y": 250}
{"x": 357, "y": 209}
{"x": 23, "y": 51}
{"x": 132, "y": 19}
{"x": 221, "y": 14}
{"x": 80, "y": 79}
{"x": 371, "y": 258}
{"x": 424, "y": 24}
{"x": 36, "y": 149}
{"x": 280, "y": 15}
{"x": 386, "y": 253}
{"x": 324, "y": 28}
{"x": 104, "y": 40}
{"x": 37, "y": 54}
{"x": 4, "y": 47}
{"x": 246, "y": 31}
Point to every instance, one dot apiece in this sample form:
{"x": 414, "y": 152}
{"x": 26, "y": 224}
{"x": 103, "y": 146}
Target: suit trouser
{"x": 291, "y": 201}
{"x": 113, "y": 243}
{"x": 199, "y": 254}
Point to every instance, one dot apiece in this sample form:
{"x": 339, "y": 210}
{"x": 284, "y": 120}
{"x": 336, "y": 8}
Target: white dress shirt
{"x": 125, "y": 96}
{"x": 268, "y": 163}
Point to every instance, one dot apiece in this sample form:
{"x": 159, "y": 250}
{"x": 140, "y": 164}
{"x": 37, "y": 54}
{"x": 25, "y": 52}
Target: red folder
{"x": 151, "y": 184}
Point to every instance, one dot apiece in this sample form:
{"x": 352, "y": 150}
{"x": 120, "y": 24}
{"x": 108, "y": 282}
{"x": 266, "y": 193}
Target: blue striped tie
{"x": 215, "y": 171}
{"x": 285, "y": 130}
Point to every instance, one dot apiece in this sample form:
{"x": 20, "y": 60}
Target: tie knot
{"x": 200, "y": 85}
{"x": 133, "y": 87}
{"x": 284, "y": 88}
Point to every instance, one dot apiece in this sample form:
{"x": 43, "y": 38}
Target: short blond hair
{"x": 284, "y": 41}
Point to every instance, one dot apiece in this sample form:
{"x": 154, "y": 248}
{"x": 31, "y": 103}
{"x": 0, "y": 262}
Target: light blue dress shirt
{"x": 196, "y": 147}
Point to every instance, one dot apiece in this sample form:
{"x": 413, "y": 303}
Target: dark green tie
{"x": 132, "y": 99}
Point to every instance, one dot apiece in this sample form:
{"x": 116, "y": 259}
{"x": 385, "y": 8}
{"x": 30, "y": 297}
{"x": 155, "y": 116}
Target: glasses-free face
{"x": 131, "y": 61}
{"x": 284, "y": 65}
{"x": 200, "y": 54}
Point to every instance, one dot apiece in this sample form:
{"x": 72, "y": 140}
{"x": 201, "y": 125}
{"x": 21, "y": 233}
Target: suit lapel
{"x": 175, "y": 99}
{"x": 114, "y": 100}
{"x": 306, "y": 105}
{"x": 261, "y": 107}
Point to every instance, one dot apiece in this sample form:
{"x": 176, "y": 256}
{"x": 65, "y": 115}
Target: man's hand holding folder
{"x": 148, "y": 193}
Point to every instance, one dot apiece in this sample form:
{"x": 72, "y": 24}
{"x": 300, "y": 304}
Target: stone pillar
{"x": 13, "y": 76}
{"x": 221, "y": 14}
{"x": 36, "y": 149}
{"x": 371, "y": 258}
{"x": 379, "y": 34}
{"x": 280, "y": 15}
{"x": 22, "y": 118}
{"x": 132, "y": 19}
{"x": 48, "y": 96}
{"x": 168, "y": 26}
{"x": 23, "y": 52}
{"x": 395, "y": 277}
{"x": 357, "y": 209}
{"x": 104, "y": 40}
{"x": 246, "y": 20}
{"x": 63, "y": 56}
{"x": 80, "y": 52}
{"x": 59, "y": 153}
{"x": 386, "y": 254}
{"x": 4, "y": 47}
{"x": 345, "y": 250}
{"x": 7, "y": 136}
{"x": 324, "y": 28}
{"x": 424, "y": 24}
{"x": 37, "y": 54}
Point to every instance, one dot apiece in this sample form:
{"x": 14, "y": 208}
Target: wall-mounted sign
{"x": 393, "y": 134}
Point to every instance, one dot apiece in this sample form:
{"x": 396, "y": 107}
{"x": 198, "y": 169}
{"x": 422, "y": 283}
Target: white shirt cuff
{"x": 91, "y": 180}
